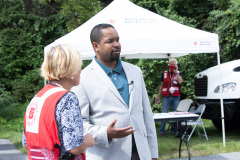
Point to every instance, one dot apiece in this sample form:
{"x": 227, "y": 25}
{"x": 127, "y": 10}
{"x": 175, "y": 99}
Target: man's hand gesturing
{"x": 114, "y": 132}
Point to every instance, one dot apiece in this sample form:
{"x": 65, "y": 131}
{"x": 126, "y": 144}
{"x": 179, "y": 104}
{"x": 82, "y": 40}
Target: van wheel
{"x": 228, "y": 124}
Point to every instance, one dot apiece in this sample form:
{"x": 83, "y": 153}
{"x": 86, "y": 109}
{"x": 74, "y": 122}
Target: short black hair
{"x": 96, "y": 33}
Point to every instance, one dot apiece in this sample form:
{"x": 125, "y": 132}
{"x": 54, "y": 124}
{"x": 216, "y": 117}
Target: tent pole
{"x": 222, "y": 109}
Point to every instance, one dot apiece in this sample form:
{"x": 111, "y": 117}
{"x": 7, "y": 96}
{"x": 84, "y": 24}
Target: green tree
{"x": 227, "y": 25}
{"x": 78, "y": 12}
{"x": 26, "y": 27}
{"x": 193, "y": 9}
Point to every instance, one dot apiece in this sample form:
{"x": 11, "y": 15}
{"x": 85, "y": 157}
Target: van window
{"x": 237, "y": 69}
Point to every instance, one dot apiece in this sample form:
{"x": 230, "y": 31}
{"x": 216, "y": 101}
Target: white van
{"x": 207, "y": 91}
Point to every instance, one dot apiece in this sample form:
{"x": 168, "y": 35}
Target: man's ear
{"x": 95, "y": 46}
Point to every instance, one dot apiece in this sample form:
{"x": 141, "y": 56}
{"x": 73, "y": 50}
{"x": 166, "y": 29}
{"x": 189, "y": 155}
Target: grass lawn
{"x": 168, "y": 145}
{"x": 14, "y": 136}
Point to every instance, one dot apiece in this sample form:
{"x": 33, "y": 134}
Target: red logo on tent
{"x": 112, "y": 21}
{"x": 195, "y": 43}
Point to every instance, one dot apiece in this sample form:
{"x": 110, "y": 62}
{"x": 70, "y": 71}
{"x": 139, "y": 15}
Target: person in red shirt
{"x": 170, "y": 91}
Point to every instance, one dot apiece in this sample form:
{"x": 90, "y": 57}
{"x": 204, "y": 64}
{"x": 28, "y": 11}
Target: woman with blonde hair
{"x": 53, "y": 127}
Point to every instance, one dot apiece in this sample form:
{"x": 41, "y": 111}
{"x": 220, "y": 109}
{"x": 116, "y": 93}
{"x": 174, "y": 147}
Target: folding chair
{"x": 183, "y": 106}
{"x": 199, "y": 121}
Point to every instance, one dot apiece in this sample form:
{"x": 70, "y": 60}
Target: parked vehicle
{"x": 207, "y": 91}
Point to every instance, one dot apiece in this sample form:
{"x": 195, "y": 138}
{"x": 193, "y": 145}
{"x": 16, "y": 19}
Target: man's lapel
{"x": 130, "y": 77}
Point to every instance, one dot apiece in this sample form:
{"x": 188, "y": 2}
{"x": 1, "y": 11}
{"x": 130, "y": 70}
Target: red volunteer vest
{"x": 168, "y": 82}
{"x": 39, "y": 121}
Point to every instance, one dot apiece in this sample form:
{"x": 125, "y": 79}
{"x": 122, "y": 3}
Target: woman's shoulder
{"x": 68, "y": 96}
{"x": 68, "y": 99}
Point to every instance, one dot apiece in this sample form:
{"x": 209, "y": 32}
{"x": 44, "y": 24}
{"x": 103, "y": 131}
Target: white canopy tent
{"x": 143, "y": 34}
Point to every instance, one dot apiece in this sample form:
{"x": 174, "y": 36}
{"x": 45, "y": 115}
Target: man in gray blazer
{"x": 114, "y": 103}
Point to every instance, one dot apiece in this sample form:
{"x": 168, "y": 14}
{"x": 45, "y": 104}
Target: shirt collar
{"x": 117, "y": 69}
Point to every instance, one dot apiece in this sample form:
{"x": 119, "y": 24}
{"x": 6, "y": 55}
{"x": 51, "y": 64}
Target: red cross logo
{"x": 195, "y": 43}
{"x": 112, "y": 21}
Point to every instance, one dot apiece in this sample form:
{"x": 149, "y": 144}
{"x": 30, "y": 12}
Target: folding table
{"x": 177, "y": 117}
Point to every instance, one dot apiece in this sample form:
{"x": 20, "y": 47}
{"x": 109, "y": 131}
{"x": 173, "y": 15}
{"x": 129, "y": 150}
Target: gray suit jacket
{"x": 101, "y": 103}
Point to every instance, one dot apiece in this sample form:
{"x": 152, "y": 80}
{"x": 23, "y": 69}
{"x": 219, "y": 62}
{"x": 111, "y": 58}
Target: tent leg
{"x": 222, "y": 109}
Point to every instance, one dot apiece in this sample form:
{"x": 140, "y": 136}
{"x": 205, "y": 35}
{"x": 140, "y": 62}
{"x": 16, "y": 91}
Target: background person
{"x": 170, "y": 91}
{"x": 115, "y": 104}
{"x": 53, "y": 120}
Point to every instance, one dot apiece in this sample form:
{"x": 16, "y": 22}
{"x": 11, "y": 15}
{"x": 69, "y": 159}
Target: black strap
{"x": 67, "y": 156}
{"x": 58, "y": 147}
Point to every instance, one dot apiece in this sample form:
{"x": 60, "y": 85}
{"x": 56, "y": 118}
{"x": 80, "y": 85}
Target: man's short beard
{"x": 114, "y": 58}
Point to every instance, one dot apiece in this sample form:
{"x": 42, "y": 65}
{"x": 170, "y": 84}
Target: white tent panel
{"x": 143, "y": 34}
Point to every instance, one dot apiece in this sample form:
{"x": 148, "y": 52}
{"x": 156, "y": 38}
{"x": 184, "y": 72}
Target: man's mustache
{"x": 116, "y": 49}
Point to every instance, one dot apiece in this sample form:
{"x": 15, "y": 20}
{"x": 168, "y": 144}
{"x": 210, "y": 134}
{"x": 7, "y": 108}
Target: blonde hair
{"x": 62, "y": 61}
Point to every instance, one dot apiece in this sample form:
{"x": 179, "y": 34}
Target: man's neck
{"x": 110, "y": 64}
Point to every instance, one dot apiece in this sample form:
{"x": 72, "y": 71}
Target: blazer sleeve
{"x": 99, "y": 133}
{"x": 149, "y": 122}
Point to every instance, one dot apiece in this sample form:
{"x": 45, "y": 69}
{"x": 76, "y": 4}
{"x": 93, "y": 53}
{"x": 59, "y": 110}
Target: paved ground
{"x": 221, "y": 156}
{"x": 9, "y": 152}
